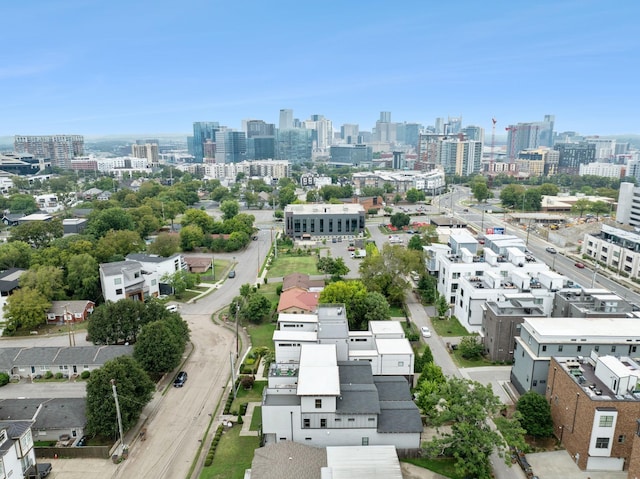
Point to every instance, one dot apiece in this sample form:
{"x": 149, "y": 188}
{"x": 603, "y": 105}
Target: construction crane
{"x": 512, "y": 146}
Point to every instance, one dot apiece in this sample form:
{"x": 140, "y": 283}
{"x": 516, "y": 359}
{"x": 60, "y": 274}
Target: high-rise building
{"x": 385, "y": 117}
{"x": 453, "y": 125}
{"x": 439, "y": 126}
{"x": 349, "y": 133}
{"x": 475, "y": 133}
{"x": 231, "y": 146}
{"x": 322, "y": 131}
{"x": 605, "y": 148}
{"x": 572, "y": 155}
{"x": 524, "y": 136}
{"x": 538, "y": 162}
{"x": 354, "y": 155}
{"x": 146, "y": 150}
{"x": 407, "y": 133}
{"x": 628, "y": 211}
{"x": 385, "y": 131}
{"x": 429, "y": 147}
{"x": 259, "y": 128}
{"x": 60, "y": 149}
{"x": 286, "y": 119}
{"x": 294, "y": 144}
{"x": 261, "y": 147}
{"x": 460, "y": 157}
{"x": 203, "y": 131}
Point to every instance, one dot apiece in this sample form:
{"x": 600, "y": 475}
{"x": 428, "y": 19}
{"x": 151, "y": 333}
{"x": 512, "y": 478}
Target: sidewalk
{"x": 246, "y": 419}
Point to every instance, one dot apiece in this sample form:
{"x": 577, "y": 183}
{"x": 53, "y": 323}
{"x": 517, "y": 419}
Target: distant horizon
{"x": 210, "y": 61}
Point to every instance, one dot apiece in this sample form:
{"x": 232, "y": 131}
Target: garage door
{"x": 605, "y": 464}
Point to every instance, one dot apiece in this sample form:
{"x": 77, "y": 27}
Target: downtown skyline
{"x": 89, "y": 68}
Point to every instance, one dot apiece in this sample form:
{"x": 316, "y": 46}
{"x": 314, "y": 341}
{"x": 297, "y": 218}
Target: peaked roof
{"x": 300, "y": 280}
{"x": 288, "y": 460}
{"x": 56, "y": 413}
{"x": 296, "y": 298}
{"x": 58, "y": 307}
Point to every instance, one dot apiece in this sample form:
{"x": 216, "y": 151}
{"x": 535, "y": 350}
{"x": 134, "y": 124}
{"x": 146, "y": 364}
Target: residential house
{"x": 9, "y": 280}
{"x": 290, "y": 460}
{"x": 128, "y": 279}
{"x": 12, "y": 219}
{"x": 91, "y": 193}
{"x": 163, "y": 267}
{"x": 302, "y": 281}
{"x": 327, "y": 402}
{"x": 35, "y": 217}
{"x": 198, "y": 264}
{"x": 74, "y": 225}
{"x": 595, "y": 406}
{"x": 16, "y": 448}
{"x": 542, "y": 338}
{"x": 48, "y": 203}
{"x": 298, "y": 301}
{"x": 63, "y": 312}
{"x": 70, "y": 361}
{"x": 52, "y": 417}
{"x": 104, "y": 196}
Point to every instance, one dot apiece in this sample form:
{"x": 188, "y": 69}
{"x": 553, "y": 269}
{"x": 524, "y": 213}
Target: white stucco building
{"x": 127, "y": 279}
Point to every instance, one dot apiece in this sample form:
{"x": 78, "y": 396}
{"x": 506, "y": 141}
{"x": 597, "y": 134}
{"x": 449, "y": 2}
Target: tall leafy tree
{"x": 15, "y": 254}
{"x": 37, "y": 233}
{"x": 26, "y": 308}
{"x": 229, "y": 208}
{"x": 536, "y": 414}
{"x": 119, "y": 322}
{"x": 46, "y": 280}
{"x": 400, "y": 220}
{"x": 158, "y": 349}
{"x": 103, "y": 221}
{"x": 83, "y": 277}
{"x": 134, "y": 388}
{"x": 116, "y": 244}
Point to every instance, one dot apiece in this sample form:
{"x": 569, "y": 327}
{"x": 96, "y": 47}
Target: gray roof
{"x": 9, "y": 279}
{"x": 89, "y": 355}
{"x": 7, "y": 358}
{"x": 58, "y": 307}
{"x": 358, "y": 399}
{"x": 56, "y": 413}
{"x": 399, "y": 417}
{"x": 15, "y": 429}
{"x": 392, "y": 388}
{"x": 282, "y": 400}
{"x": 288, "y": 460}
{"x": 110, "y": 269}
{"x": 148, "y": 258}
{"x": 354, "y": 372}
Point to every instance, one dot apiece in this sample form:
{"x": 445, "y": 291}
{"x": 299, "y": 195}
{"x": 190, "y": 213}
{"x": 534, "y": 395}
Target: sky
{"x": 136, "y": 66}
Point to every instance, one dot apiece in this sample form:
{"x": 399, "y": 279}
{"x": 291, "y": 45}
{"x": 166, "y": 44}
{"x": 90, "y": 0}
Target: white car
{"x": 426, "y": 332}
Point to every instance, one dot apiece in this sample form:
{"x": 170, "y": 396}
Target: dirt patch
{"x": 543, "y": 444}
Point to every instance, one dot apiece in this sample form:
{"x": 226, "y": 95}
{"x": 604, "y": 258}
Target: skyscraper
{"x": 385, "y": 117}
{"x": 572, "y": 155}
{"x": 460, "y": 157}
{"x": 286, "y": 119}
{"x": 231, "y": 146}
{"x": 203, "y": 131}
{"x": 525, "y": 136}
{"x": 259, "y": 128}
{"x": 294, "y": 145}
{"x": 349, "y": 133}
{"x": 60, "y": 149}
{"x": 322, "y": 131}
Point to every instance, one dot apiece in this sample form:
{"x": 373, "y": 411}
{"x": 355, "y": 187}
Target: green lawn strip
{"x": 248, "y": 395}
{"x": 443, "y": 466}
{"x": 449, "y": 327}
{"x": 284, "y": 265}
{"x": 465, "y": 363}
{"x": 256, "y": 419}
{"x": 396, "y": 311}
{"x": 269, "y": 291}
{"x": 261, "y": 335}
{"x": 233, "y": 455}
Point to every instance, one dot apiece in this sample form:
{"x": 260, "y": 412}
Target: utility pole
{"x": 237, "y": 332}
{"x": 213, "y": 268}
{"x": 72, "y": 338}
{"x": 233, "y": 374}
{"x": 115, "y": 396}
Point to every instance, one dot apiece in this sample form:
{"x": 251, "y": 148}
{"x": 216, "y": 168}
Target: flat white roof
{"x": 318, "y": 374}
{"x": 362, "y": 353}
{"x": 297, "y": 318}
{"x": 607, "y": 297}
{"x": 360, "y": 334}
{"x": 582, "y": 327}
{"x": 325, "y": 208}
{"x": 372, "y": 462}
{"x": 618, "y": 368}
{"x": 285, "y": 335}
{"x": 385, "y": 327}
{"x": 393, "y": 346}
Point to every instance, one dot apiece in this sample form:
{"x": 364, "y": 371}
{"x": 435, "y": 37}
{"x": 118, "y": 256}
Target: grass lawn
{"x": 465, "y": 363}
{"x": 396, "y": 311}
{"x": 256, "y": 419}
{"x": 285, "y": 265}
{"x": 449, "y": 327}
{"x": 233, "y": 455}
{"x": 262, "y": 334}
{"x": 248, "y": 395}
{"x": 269, "y": 291}
{"x": 441, "y": 466}
{"x": 221, "y": 267}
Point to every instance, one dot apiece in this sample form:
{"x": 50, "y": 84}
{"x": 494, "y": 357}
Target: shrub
{"x": 247, "y": 382}
{"x": 59, "y": 375}
{"x": 4, "y": 379}
{"x": 48, "y": 375}
{"x": 240, "y": 421}
{"x": 85, "y": 374}
{"x": 413, "y": 336}
{"x": 471, "y": 348}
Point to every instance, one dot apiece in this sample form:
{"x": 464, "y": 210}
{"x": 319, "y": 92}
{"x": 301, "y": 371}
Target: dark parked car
{"x": 38, "y": 471}
{"x": 232, "y": 273}
{"x": 181, "y": 378}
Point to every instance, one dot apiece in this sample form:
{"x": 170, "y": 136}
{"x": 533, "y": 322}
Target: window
{"x": 613, "y": 349}
{"x": 153, "y": 282}
{"x": 307, "y": 423}
{"x": 117, "y": 280}
{"x": 371, "y": 419}
{"x": 323, "y": 423}
{"x": 119, "y": 291}
{"x": 544, "y": 348}
{"x": 606, "y": 421}
{"x": 596, "y": 348}
{"x": 351, "y": 419}
{"x": 621, "y": 438}
{"x": 365, "y": 441}
{"x": 579, "y": 348}
{"x": 602, "y": 443}
{"x": 318, "y": 403}
{"x": 400, "y": 364}
{"x": 560, "y": 348}
{"x": 338, "y": 419}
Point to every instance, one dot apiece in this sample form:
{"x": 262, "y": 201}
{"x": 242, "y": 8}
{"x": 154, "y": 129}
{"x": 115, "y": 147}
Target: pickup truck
{"x": 38, "y": 471}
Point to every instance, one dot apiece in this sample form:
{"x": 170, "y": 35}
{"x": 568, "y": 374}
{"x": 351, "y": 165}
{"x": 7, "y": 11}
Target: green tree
{"x": 116, "y": 244}
{"x": 15, "y": 254}
{"x": 165, "y": 245}
{"x": 549, "y": 189}
{"x": 511, "y": 196}
{"x": 422, "y": 359}
{"x": 481, "y": 191}
{"x": 256, "y": 309}
{"x": 278, "y": 214}
{"x": 135, "y": 390}
{"x": 312, "y": 196}
{"x": 179, "y": 281}
{"x": 375, "y": 307}
{"x": 26, "y": 309}
{"x": 349, "y": 293}
{"x": 442, "y": 306}
{"x": 229, "y": 208}
{"x": 158, "y": 349}
{"x": 199, "y": 218}
{"x": 37, "y": 233}
{"x": 399, "y": 220}
{"x": 416, "y": 243}
{"x": 119, "y": 322}
{"x": 83, "y": 277}
{"x": 48, "y": 281}
{"x": 335, "y": 267}
{"x": 581, "y": 205}
{"x": 471, "y": 348}
{"x": 191, "y": 237}
{"x": 465, "y": 405}
{"x": 536, "y": 414}
{"x": 102, "y": 221}
{"x": 599, "y": 208}
{"x": 286, "y": 196}
{"x": 220, "y": 193}
{"x": 22, "y": 203}
{"x": 412, "y": 195}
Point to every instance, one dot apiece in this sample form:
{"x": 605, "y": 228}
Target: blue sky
{"x": 136, "y": 66}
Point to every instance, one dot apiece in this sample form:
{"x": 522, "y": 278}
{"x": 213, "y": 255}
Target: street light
{"x": 595, "y": 272}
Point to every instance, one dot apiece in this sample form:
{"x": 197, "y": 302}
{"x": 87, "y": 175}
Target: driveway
{"x": 558, "y": 464}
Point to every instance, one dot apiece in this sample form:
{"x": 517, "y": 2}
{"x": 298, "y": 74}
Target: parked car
{"x": 38, "y": 471}
{"x": 426, "y": 332}
{"x": 551, "y": 250}
{"x": 173, "y": 308}
{"x": 181, "y": 378}
{"x": 351, "y": 248}
{"x": 580, "y": 265}
{"x": 232, "y": 273}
